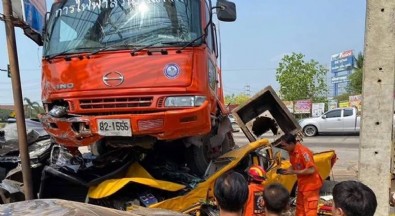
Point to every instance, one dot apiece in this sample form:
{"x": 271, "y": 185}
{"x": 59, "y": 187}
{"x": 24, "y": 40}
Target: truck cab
{"x": 134, "y": 73}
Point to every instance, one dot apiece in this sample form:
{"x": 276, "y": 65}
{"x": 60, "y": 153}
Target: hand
{"x": 287, "y": 172}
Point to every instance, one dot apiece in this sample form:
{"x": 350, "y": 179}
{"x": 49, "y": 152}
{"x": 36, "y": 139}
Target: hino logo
{"x": 64, "y": 86}
{"x": 113, "y": 79}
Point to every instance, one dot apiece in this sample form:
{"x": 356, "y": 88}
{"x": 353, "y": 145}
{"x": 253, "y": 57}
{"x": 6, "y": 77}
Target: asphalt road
{"x": 346, "y": 148}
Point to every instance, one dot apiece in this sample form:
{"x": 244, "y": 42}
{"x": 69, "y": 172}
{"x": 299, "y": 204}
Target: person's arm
{"x": 309, "y": 164}
{"x": 307, "y": 171}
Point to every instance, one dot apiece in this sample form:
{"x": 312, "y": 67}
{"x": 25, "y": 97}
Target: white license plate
{"x": 114, "y": 127}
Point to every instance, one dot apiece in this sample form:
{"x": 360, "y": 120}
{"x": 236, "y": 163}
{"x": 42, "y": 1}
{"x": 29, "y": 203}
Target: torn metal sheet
{"x": 265, "y": 111}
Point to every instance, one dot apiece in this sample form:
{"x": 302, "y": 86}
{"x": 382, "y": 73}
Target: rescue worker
{"x": 309, "y": 180}
{"x": 255, "y": 204}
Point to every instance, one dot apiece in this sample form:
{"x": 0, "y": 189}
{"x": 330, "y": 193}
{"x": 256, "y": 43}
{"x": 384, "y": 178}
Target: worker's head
{"x": 288, "y": 142}
{"x": 257, "y": 174}
{"x": 276, "y": 198}
{"x": 353, "y": 198}
{"x": 231, "y": 192}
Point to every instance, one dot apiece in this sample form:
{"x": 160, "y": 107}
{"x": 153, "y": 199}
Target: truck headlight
{"x": 185, "y": 101}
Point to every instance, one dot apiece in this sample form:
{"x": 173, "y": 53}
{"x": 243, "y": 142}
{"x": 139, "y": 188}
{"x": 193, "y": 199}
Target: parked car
{"x": 340, "y": 120}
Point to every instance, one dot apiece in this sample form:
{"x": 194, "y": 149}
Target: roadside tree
{"x": 239, "y": 99}
{"x": 355, "y": 86}
{"x": 299, "y": 79}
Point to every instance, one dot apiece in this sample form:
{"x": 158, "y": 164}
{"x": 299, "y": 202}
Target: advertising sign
{"x": 356, "y": 101}
{"x": 343, "y": 104}
{"x": 289, "y": 105}
{"x": 318, "y": 109}
{"x": 302, "y": 106}
{"x": 30, "y": 15}
{"x": 34, "y": 14}
{"x": 342, "y": 61}
{"x": 332, "y": 104}
{"x": 339, "y": 79}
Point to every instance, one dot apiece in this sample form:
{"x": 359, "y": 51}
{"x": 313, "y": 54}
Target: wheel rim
{"x": 309, "y": 131}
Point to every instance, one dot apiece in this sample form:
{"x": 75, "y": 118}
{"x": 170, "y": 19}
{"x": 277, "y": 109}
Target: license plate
{"x": 114, "y": 127}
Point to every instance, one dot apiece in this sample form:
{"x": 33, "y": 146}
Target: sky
{"x": 252, "y": 46}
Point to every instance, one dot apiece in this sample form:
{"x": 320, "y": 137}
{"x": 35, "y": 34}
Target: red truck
{"x": 136, "y": 73}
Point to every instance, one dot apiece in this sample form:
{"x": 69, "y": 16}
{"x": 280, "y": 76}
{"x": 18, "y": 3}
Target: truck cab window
{"x": 347, "y": 112}
{"x": 333, "y": 114}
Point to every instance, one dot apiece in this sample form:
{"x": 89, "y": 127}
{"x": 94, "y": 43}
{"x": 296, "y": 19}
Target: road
{"x": 346, "y": 147}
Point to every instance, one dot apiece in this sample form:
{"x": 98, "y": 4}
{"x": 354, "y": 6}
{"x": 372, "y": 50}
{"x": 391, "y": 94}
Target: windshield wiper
{"x": 133, "y": 53}
{"x": 191, "y": 42}
{"x": 69, "y": 51}
{"x": 111, "y": 47}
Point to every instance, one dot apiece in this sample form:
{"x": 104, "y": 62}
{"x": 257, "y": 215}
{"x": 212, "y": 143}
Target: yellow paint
{"x": 204, "y": 190}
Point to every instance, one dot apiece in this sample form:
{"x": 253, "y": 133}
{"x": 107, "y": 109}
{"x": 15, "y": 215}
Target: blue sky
{"x": 252, "y": 46}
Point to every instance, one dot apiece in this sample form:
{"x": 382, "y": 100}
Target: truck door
{"x": 349, "y": 120}
{"x": 332, "y": 121}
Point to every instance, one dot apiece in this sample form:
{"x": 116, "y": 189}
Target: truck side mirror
{"x": 323, "y": 116}
{"x": 226, "y": 11}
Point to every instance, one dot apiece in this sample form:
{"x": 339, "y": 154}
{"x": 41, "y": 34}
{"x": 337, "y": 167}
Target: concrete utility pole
{"x": 376, "y": 147}
{"x": 18, "y": 102}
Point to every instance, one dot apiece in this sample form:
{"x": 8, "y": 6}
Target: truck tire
{"x": 199, "y": 157}
{"x": 310, "y": 130}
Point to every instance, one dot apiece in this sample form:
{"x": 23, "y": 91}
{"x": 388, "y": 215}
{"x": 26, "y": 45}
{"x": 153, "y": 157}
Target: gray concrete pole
{"x": 376, "y": 145}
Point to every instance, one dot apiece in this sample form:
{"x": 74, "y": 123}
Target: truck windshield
{"x": 85, "y": 25}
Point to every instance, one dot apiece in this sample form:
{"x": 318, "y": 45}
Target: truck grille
{"x": 116, "y": 102}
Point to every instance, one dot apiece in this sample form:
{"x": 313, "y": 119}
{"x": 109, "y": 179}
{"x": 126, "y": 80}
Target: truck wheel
{"x": 198, "y": 158}
{"x": 310, "y": 130}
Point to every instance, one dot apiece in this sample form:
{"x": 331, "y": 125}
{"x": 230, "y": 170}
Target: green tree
{"x": 34, "y": 108}
{"x": 355, "y": 86}
{"x": 236, "y": 99}
{"x": 299, "y": 79}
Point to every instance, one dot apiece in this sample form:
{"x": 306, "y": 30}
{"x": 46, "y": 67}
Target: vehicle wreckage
{"x": 128, "y": 177}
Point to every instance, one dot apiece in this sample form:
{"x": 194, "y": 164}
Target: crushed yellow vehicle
{"x": 186, "y": 198}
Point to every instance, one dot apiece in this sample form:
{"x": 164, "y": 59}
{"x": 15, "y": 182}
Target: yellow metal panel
{"x": 136, "y": 174}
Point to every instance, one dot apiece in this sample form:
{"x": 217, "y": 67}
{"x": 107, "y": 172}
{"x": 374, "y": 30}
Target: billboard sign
{"x": 34, "y": 14}
{"x": 342, "y": 61}
{"x": 31, "y": 17}
{"x": 289, "y": 105}
{"x": 339, "y": 79}
{"x": 332, "y": 104}
{"x": 318, "y": 109}
{"x": 302, "y": 106}
{"x": 356, "y": 101}
{"x": 344, "y": 104}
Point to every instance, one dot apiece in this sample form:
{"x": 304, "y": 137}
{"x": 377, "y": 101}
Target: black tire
{"x": 310, "y": 130}
{"x": 198, "y": 158}
{"x": 327, "y": 187}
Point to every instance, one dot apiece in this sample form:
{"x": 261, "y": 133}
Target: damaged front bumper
{"x": 166, "y": 125}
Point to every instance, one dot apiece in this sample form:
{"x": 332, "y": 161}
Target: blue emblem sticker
{"x": 172, "y": 71}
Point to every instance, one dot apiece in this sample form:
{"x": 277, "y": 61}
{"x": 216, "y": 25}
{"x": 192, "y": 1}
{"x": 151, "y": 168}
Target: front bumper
{"x": 165, "y": 125}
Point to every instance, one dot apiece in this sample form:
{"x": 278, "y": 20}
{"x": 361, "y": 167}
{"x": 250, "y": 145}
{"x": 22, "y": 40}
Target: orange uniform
{"x": 308, "y": 185}
{"x": 254, "y": 205}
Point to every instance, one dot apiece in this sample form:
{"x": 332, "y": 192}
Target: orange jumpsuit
{"x": 254, "y": 205}
{"x": 308, "y": 185}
